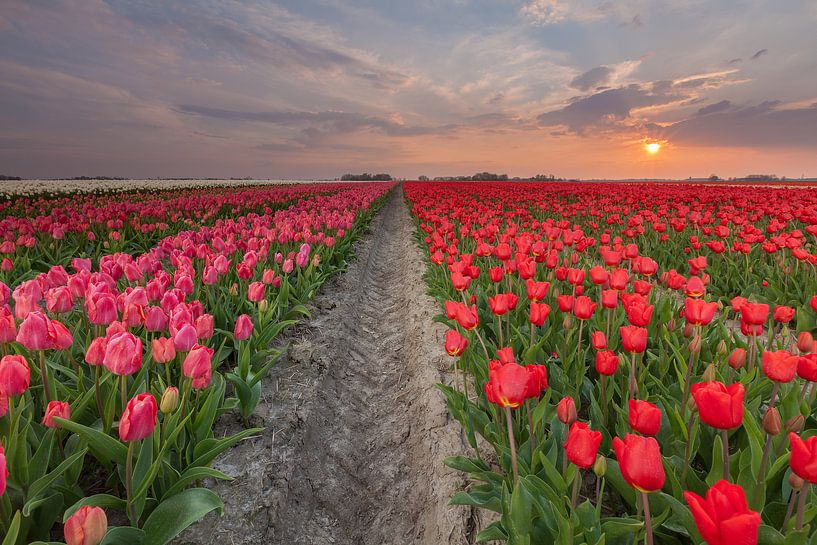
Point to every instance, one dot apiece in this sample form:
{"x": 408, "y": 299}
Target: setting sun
{"x": 652, "y": 148}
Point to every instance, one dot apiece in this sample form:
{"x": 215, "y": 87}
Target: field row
{"x": 113, "y": 374}
{"x": 632, "y": 361}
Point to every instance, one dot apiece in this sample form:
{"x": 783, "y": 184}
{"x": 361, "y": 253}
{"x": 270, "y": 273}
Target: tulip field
{"x": 631, "y": 362}
{"x": 130, "y": 323}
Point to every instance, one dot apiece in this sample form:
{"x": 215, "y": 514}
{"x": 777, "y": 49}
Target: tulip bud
{"x": 710, "y": 373}
{"x": 566, "y": 411}
{"x": 805, "y": 342}
{"x": 720, "y": 305}
{"x": 737, "y": 359}
{"x": 796, "y": 482}
{"x": 795, "y": 424}
{"x": 695, "y": 344}
{"x": 671, "y": 325}
{"x": 688, "y": 330}
{"x": 600, "y": 467}
{"x": 785, "y": 333}
{"x": 234, "y": 289}
{"x": 263, "y": 305}
{"x": 86, "y": 527}
{"x": 691, "y": 405}
{"x": 170, "y": 400}
{"x": 566, "y": 322}
{"x": 771, "y": 422}
{"x": 722, "y": 348}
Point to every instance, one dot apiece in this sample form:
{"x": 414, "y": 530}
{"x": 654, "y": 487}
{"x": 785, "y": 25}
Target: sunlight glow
{"x": 652, "y": 148}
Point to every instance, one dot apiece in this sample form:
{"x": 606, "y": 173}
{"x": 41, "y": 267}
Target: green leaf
{"x": 14, "y": 529}
{"x": 123, "y": 535}
{"x": 492, "y": 532}
{"x": 193, "y": 474}
{"x": 41, "y": 484}
{"x": 103, "y": 446}
{"x": 173, "y": 516}
{"x": 208, "y": 449}
{"x": 106, "y": 501}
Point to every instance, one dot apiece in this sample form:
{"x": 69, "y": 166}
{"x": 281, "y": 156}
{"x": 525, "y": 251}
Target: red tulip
{"x": 805, "y": 342}
{"x": 779, "y": 366}
{"x": 639, "y": 459}
{"x": 537, "y": 380}
{"x": 639, "y": 313}
{"x": 8, "y": 326}
{"x": 598, "y": 340}
{"x": 455, "y": 343}
{"x": 618, "y": 279}
{"x": 205, "y": 325}
{"x": 184, "y": 338}
{"x": 609, "y": 299}
{"x": 699, "y": 312}
{"x": 197, "y": 366}
{"x": 495, "y": 274}
{"x": 467, "y": 317}
{"x": 606, "y": 362}
{"x": 583, "y": 307}
{"x": 807, "y": 367}
{"x": 139, "y": 418}
{"x": 255, "y": 292}
{"x": 537, "y": 291}
{"x": 502, "y": 303}
{"x": 803, "y": 459}
{"x": 123, "y": 354}
{"x": 15, "y": 375}
{"x": 633, "y": 339}
{"x": 95, "y": 354}
{"x": 162, "y": 350}
{"x": 695, "y": 287}
{"x": 35, "y": 332}
{"x": 813, "y": 303}
{"x": 101, "y": 308}
{"x": 539, "y": 312}
{"x": 60, "y": 409}
{"x": 87, "y": 526}
{"x": 737, "y": 358}
{"x": 566, "y": 410}
{"x": 644, "y": 417}
{"x": 783, "y": 314}
{"x": 598, "y": 275}
{"x": 754, "y": 313}
{"x": 565, "y": 302}
{"x": 724, "y": 517}
{"x": 4, "y": 472}
{"x": 505, "y": 355}
{"x": 243, "y": 328}
{"x": 718, "y": 405}
{"x": 582, "y": 445}
{"x": 507, "y": 385}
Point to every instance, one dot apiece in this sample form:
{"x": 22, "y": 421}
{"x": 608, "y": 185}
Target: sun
{"x": 652, "y": 148}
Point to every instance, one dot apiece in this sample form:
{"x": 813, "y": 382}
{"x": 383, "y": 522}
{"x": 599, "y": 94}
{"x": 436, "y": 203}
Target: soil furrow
{"x": 356, "y": 431}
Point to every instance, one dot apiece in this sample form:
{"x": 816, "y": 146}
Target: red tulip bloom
{"x": 197, "y": 366}
{"x": 644, "y": 417}
{"x": 139, "y": 418}
{"x": 60, "y": 409}
{"x": 4, "y": 472}
{"x": 123, "y": 354}
{"x": 606, "y": 362}
{"x": 719, "y": 406}
{"x": 162, "y": 350}
{"x": 699, "y": 312}
{"x": 584, "y": 307}
{"x": 639, "y": 313}
{"x": 502, "y": 303}
{"x": 737, "y": 358}
{"x": 813, "y": 303}
{"x": 639, "y": 459}
{"x": 609, "y": 299}
{"x": 618, "y": 279}
{"x": 8, "y": 326}
{"x": 538, "y": 313}
{"x": 598, "y": 340}
{"x": 243, "y": 328}
{"x": 582, "y": 445}
{"x": 598, "y": 275}
{"x": 566, "y": 410}
{"x": 807, "y": 367}
{"x": 754, "y": 313}
{"x": 467, "y": 317}
{"x": 460, "y": 281}
{"x": 36, "y": 332}
{"x": 507, "y": 385}
{"x": 724, "y": 517}
{"x": 15, "y": 375}
{"x": 779, "y": 366}
{"x": 95, "y": 354}
{"x": 537, "y": 291}
{"x": 496, "y": 274}
{"x": 185, "y": 337}
{"x": 783, "y": 314}
{"x": 803, "y": 459}
{"x": 633, "y": 339}
{"x": 537, "y": 380}
{"x": 455, "y": 343}
{"x": 255, "y": 292}
{"x": 87, "y": 526}
{"x": 505, "y": 355}
{"x": 565, "y": 302}
{"x": 695, "y": 287}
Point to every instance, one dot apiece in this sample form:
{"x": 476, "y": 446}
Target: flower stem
{"x": 129, "y": 483}
{"x": 725, "y": 440}
{"x": 574, "y": 496}
{"x": 801, "y": 506}
{"x": 647, "y": 519}
{"x": 513, "y": 445}
{"x": 44, "y": 377}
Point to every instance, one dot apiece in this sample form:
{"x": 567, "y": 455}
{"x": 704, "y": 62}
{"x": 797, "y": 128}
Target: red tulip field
{"x": 626, "y": 363}
{"x": 632, "y": 362}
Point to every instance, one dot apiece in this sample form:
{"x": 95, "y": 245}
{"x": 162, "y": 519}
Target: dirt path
{"x": 356, "y": 432}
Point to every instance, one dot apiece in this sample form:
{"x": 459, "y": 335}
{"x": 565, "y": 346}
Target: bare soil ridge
{"x": 356, "y": 432}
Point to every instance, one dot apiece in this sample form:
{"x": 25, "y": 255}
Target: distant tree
{"x": 4, "y": 178}
{"x": 714, "y": 178}
{"x": 366, "y": 177}
{"x": 422, "y": 178}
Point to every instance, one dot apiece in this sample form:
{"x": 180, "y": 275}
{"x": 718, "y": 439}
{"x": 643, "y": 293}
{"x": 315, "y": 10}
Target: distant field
{"x": 27, "y": 187}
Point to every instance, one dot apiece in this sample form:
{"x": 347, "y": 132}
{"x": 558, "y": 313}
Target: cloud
{"x": 549, "y": 12}
{"x": 715, "y": 108}
{"x": 608, "y": 107}
{"x": 764, "y": 125}
{"x": 593, "y": 78}
{"x": 324, "y": 121}
{"x": 759, "y": 54}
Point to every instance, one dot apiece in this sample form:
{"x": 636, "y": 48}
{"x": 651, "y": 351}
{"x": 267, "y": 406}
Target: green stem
{"x": 514, "y": 466}
{"x": 44, "y": 378}
{"x": 129, "y": 483}
{"x": 648, "y": 539}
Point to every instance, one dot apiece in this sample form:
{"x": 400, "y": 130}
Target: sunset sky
{"x": 316, "y": 88}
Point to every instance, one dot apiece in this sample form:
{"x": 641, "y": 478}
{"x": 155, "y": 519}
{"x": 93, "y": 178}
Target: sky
{"x": 317, "y": 88}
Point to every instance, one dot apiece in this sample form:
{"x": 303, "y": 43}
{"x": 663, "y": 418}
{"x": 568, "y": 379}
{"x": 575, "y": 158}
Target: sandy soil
{"x": 356, "y": 432}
